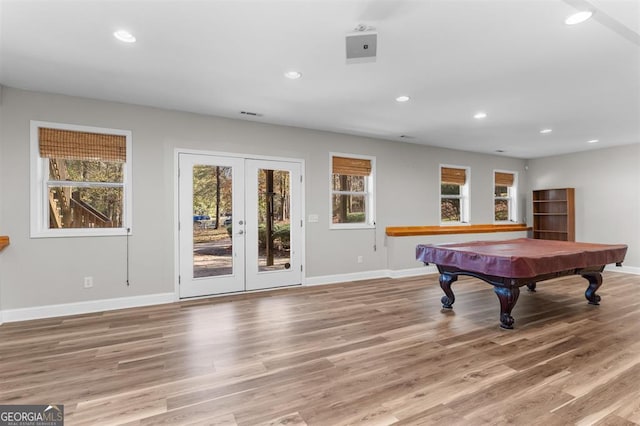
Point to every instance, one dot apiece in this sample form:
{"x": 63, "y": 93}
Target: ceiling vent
{"x": 250, "y": 114}
{"x": 362, "y": 45}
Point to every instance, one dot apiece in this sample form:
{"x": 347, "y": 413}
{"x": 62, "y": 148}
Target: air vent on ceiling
{"x": 249, "y": 113}
{"x": 406, "y": 137}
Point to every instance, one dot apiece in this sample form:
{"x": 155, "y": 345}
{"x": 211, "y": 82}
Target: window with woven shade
{"x": 80, "y": 180}
{"x": 352, "y": 191}
{"x": 504, "y": 196}
{"x": 454, "y": 194}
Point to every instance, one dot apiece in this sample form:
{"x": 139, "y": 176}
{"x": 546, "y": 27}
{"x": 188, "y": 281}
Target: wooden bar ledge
{"x": 4, "y": 241}
{"x": 408, "y": 231}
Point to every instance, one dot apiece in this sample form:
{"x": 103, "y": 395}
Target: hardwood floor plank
{"x": 290, "y": 419}
{"x": 604, "y": 399}
{"x": 629, "y": 410}
{"x": 613, "y": 420}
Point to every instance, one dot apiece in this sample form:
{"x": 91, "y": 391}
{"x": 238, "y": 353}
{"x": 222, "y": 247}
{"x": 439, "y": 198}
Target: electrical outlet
{"x": 88, "y": 282}
{"x": 360, "y": 259}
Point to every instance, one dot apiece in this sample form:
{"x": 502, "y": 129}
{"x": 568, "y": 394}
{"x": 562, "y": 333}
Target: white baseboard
{"x": 369, "y": 275}
{"x": 50, "y": 311}
{"x": 341, "y": 278}
{"x": 413, "y": 272}
{"x": 624, "y": 269}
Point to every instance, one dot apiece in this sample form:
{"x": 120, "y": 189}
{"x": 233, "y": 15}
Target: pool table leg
{"x": 445, "y": 284}
{"x": 595, "y": 281}
{"x": 508, "y": 297}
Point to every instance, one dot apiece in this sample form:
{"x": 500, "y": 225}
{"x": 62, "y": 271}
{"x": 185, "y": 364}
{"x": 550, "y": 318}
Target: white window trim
{"x": 39, "y": 199}
{"x": 512, "y": 198}
{"x": 465, "y": 199}
{"x": 370, "y": 202}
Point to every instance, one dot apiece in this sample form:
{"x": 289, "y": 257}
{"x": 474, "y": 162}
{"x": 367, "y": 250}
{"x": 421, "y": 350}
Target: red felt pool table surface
{"x": 522, "y": 257}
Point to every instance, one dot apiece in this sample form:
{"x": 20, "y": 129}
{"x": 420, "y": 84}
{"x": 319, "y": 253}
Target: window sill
{"x": 80, "y": 232}
{"x": 4, "y": 241}
{"x": 407, "y": 231}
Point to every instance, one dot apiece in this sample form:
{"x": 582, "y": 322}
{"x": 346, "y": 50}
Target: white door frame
{"x": 176, "y": 217}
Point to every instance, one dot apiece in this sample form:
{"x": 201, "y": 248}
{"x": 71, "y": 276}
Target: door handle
{"x": 240, "y": 232}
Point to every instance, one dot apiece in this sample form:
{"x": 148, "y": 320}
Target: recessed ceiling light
{"x": 480, "y": 115}
{"x": 545, "y": 131}
{"x": 578, "y": 18}
{"x": 124, "y": 36}
{"x": 593, "y": 141}
{"x": 293, "y": 75}
{"x": 403, "y": 98}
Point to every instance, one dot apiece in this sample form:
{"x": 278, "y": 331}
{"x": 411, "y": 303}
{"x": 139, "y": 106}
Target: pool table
{"x": 510, "y": 264}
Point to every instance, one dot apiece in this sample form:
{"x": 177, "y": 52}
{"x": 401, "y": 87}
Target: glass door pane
{"x": 274, "y": 220}
{"x": 212, "y": 227}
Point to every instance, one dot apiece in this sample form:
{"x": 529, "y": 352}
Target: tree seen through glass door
{"x": 274, "y": 220}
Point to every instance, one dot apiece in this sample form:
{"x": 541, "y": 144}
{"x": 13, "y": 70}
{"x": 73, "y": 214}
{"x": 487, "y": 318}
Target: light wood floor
{"x": 377, "y": 352}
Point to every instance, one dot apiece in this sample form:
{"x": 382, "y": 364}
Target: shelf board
{"x": 550, "y": 214}
{"x": 549, "y": 201}
{"x": 4, "y": 241}
{"x": 549, "y": 231}
{"x": 408, "y": 231}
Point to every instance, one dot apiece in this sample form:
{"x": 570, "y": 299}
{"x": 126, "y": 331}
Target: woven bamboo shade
{"x": 73, "y": 145}
{"x": 351, "y": 166}
{"x": 504, "y": 179}
{"x": 454, "y": 176}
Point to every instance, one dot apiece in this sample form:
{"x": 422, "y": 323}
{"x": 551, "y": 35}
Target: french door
{"x": 240, "y": 224}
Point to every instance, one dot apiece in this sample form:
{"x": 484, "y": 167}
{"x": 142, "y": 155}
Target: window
{"x": 504, "y": 196}
{"x": 80, "y": 180}
{"x": 454, "y": 194}
{"x": 352, "y": 194}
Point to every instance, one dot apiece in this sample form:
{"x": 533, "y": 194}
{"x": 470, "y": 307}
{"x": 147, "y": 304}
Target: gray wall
{"x": 37, "y": 272}
{"x": 607, "y": 183}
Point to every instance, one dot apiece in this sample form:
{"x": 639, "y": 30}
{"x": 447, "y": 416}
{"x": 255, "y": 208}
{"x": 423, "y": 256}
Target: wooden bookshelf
{"x": 554, "y": 214}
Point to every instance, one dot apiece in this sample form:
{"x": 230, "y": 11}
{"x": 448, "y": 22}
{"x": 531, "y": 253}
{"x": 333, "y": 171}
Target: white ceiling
{"x": 514, "y": 59}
